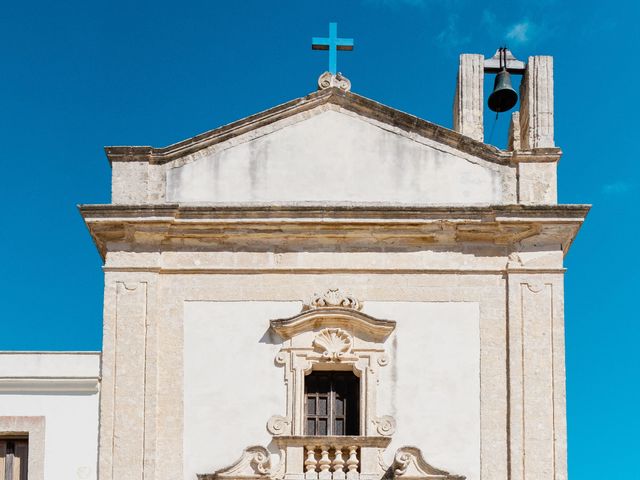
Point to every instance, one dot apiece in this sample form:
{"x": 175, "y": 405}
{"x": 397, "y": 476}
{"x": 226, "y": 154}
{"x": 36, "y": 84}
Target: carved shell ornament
{"x": 334, "y": 297}
{"x": 333, "y": 343}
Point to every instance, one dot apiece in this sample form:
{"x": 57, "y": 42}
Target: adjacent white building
{"x": 331, "y": 289}
{"x": 49, "y": 405}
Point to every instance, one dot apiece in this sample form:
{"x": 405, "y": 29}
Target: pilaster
{"x": 468, "y": 102}
{"x": 537, "y": 412}
{"x": 127, "y": 404}
{"x": 536, "y": 104}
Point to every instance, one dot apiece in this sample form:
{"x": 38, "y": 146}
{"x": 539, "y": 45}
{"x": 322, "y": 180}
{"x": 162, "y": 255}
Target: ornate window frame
{"x": 331, "y": 333}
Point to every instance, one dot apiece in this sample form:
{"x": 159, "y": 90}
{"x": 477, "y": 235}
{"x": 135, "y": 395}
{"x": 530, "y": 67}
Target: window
{"x": 13, "y": 458}
{"x": 332, "y": 403}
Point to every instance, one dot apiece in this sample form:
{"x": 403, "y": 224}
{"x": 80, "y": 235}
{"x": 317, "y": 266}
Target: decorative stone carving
{"x": 255, "y": 462}
{"x": 333, "y": 343}
{"x": 334, "y": 298}
{"x": 340, "y": 335}
{"x": 409, "y": 463}
{"x": 328, "y": 80}
{"x": 345, "y": 318}
{"x": 279, "y": 425}
{"x": 383, "y": 360}
{"x": 385, "y": 425}
{"x": 514, "y": 261}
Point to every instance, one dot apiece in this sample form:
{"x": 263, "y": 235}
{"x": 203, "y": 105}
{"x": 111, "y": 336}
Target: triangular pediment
{"x": 330, "y": 146}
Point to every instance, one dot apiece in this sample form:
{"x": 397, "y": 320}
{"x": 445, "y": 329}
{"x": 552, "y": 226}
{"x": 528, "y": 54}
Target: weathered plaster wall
{"x": 57, "y": 387}
{"x": 432, "y": 387}
{"x": 335, "y": 156}
{"x": 232, "y": 387}
{"x": 231, "y": 384}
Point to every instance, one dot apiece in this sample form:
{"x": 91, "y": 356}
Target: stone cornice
{"x": 333, "y": 317}
{"x": 538, "y": 155}
{"x": 410, "y": 124}
{"x": 354, "y": 227}
{"x": 360, "y": 441}
{"x": 53, "y": 385}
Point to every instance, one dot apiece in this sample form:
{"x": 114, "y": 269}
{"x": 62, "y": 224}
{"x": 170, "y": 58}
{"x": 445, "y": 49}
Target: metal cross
{"x": 333, "y": 44}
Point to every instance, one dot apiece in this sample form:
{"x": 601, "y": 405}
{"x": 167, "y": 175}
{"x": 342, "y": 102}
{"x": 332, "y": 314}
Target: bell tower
{"x": 531, "y": 138}
{"x": 534, "y": 121}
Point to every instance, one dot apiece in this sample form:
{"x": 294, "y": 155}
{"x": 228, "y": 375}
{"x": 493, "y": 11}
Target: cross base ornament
{"x": 328, "y": 80}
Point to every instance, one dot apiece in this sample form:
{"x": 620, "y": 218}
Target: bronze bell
{"x": 503, "y": 97}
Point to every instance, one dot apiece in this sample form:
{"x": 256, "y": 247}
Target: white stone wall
{"x": 62, "y": 387}
{"x": 431, "y": 386}
{"x": 335, "y": 156}
{"x": 231, "y": 385}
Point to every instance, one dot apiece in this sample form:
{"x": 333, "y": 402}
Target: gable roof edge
{"x": 347, "y": 100}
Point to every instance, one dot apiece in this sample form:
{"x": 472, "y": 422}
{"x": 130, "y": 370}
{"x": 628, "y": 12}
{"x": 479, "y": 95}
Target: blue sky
{"x": 75, "y": 76}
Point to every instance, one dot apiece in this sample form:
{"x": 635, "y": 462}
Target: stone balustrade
{"x": 332, "y": 457}
{"x": 337, "y": 461}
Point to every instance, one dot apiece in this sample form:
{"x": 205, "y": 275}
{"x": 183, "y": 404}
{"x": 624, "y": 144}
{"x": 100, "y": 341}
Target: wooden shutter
{"x": 3, "y": 458}
{"x": 14, "y": 459}
{"x": 332, "y": 403}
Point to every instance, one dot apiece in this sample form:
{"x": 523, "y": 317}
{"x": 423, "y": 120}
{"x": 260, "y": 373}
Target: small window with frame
{"x": 14, "y": 453}
{"x": 332, "y": 402}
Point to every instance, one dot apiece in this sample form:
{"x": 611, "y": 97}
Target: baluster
{"x": 310, "y": 464}
{"x": 352, "y": 464}
{"x": 324, "y": 464}
{"x": 338, "y": 465}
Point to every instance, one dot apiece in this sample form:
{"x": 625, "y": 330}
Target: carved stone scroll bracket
{"x": 385, "y": 425}
{"x": 255, "y": 462}
{"x": 409, "y": 463}
{"x": 328, "y": 80}
{"x": 279, "y": 425}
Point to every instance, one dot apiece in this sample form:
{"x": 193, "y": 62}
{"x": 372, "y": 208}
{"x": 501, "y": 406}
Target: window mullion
{"x": 333, "y": 404}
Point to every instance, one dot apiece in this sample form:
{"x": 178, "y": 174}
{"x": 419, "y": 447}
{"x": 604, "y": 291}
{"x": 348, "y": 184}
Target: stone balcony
{"x": 332, "y": 457}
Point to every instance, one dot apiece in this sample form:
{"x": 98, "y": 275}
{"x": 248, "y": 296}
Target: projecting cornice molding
{"x": 354, "y": 227}
{"x": 333, "y": 318}
{"x": 44, "y": 385}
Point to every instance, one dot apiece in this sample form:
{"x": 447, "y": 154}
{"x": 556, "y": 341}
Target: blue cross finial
{"x": 333, "y": 44}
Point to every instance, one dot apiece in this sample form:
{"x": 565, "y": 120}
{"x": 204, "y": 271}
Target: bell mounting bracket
{"x": 493, "y": 64}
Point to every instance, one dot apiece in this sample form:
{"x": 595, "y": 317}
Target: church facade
{"x": 331, "y": 289}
